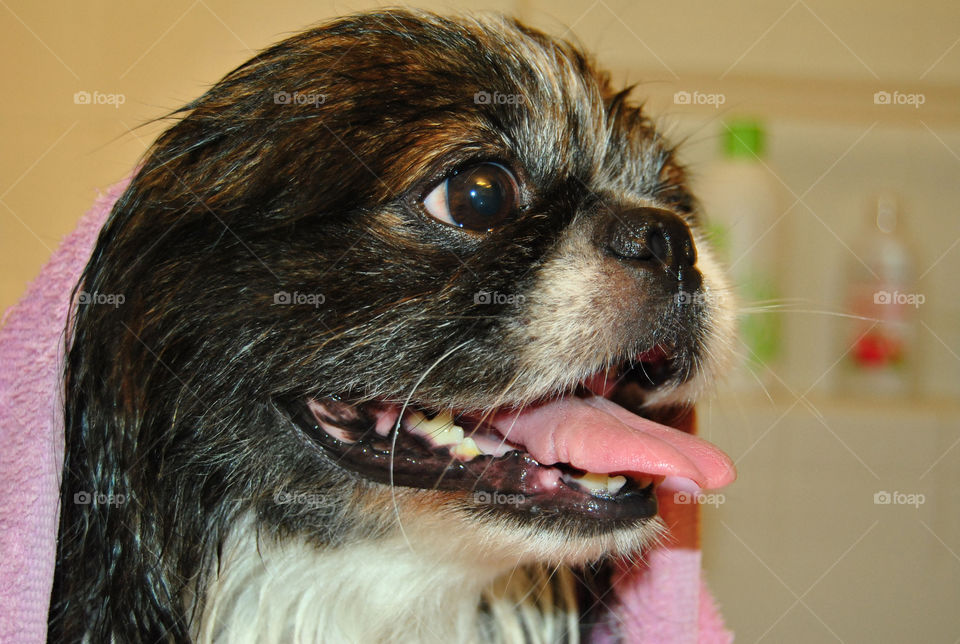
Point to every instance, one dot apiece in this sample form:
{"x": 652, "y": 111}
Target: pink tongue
{"x": 600, "y": 436}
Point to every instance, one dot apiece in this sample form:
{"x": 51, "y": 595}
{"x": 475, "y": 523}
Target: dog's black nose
{"x": 651, "y": 237}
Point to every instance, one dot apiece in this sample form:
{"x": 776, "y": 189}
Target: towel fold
{"x": 659, "y": 600}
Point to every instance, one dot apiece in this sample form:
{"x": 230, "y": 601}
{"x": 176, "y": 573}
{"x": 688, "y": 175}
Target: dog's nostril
{"x": 651, "y": 235}
{"x": 657, "y": 244}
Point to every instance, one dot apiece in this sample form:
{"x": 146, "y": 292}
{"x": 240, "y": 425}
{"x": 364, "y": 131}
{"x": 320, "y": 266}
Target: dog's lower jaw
{"x": 423, "y": 584}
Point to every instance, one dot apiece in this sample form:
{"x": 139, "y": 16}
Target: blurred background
{"x": 824, "y": 140}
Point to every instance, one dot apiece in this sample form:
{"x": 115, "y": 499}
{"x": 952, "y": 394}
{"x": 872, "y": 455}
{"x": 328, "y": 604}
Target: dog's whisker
{"x": 396, "y": 433}
{"x": 824, "y": 312}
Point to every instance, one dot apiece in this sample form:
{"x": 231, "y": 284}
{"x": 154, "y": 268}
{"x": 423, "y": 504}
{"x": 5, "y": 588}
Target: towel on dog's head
{"x": 659, "y": 598}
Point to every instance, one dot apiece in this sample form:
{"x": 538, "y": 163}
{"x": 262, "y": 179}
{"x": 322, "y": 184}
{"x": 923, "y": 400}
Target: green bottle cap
{"x": 743, "y": 139}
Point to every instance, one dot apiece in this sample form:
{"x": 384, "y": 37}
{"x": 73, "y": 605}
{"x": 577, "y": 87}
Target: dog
{"x": 409, "y": 304}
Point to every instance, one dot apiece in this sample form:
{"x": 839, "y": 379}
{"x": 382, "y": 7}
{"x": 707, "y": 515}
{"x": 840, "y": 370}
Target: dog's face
{"x": 402, "y": 267}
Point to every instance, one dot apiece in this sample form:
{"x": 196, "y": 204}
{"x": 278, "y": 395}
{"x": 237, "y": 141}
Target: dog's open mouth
{"x": 579, "y": 453}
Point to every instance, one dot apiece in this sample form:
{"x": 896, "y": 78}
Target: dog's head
{"x": 398, "y": 266}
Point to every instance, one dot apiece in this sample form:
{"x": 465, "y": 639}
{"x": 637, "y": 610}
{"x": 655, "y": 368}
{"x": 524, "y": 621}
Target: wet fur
{"x": 176, "y": 399}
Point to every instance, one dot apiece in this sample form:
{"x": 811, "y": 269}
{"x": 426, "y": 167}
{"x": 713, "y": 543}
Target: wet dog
{"x": 409, "y": 303}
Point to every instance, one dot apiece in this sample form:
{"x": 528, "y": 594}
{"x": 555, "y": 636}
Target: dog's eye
{"x": 478, "y": 197}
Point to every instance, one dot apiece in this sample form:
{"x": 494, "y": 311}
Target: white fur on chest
{"x": 380, "y": 591}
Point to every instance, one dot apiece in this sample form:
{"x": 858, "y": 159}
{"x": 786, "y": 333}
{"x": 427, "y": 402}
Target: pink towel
{"x": 31, "y": 430}
{"x": 661, "y": 600}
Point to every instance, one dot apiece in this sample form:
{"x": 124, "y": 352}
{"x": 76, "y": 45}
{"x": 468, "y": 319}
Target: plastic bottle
{"x": 881, "y": 292}
{"x": 742, "y": 203}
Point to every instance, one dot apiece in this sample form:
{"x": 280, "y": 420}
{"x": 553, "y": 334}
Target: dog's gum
{"x": 387, "y": 420}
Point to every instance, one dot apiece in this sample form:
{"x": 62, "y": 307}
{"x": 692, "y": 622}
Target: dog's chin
{"x": 564, "y": 478}
{"x": 451, "y": 529}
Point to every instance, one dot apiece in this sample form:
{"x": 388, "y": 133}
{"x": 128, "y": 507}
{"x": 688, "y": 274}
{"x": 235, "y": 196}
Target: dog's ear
{"x": 113, "y": 580}
{"x": 137, "y": 520}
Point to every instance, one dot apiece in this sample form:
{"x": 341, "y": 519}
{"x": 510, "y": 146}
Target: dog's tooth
{"x": 414, "y": 419}
{"x": 447, "y": 435}
{"x": 440, "y": 429}
{"x": 614, "y": 483}
{"x": 643, "y": 481}
{"x": 466, "y": 450}
{"x": 592, "y": 482}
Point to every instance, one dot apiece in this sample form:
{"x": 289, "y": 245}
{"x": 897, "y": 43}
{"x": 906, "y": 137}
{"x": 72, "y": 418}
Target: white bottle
{"x": 882, "y": 296}
{"x": 742, "y": 203}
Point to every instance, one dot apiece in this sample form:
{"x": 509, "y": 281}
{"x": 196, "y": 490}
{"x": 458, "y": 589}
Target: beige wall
{"x": 801, "y": 522}
{"x": 56, "y": 154}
